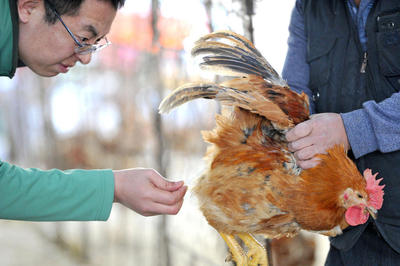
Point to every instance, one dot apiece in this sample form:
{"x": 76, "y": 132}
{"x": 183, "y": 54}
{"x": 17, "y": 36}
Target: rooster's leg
{"x": 257, "y": 255}
{"x": 238, "y": 254}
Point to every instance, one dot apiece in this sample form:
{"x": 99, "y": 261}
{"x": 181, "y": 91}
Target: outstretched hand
{"x": 315, "y": 136}
{"x": 148, "y": 193}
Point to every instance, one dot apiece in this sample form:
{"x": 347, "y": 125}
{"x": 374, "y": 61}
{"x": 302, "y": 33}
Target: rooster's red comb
{"x": 374, "y": 190}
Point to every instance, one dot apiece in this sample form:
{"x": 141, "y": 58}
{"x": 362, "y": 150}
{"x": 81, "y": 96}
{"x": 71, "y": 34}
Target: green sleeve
{"x": 55, "y": 195}
{"x": 9, "y": 33}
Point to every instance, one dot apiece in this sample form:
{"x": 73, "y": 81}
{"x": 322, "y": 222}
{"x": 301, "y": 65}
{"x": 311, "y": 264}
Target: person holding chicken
{"x": 49, "y": 37}
{"x": 346, "y": 56}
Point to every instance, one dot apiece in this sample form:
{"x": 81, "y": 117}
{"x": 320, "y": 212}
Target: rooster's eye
{"x": 359, "y": 196}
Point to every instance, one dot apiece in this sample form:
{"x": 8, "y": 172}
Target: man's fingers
{"x": 300, "y": 144}
{"x": 306, "y": 153}
{"x": 313, "y": 116}
{"x": 165, "y": 184}
{"x": 300, "y": 131}
{"x": 307, "y": 164}
{"x": 172, "y": 186}
{"x": 169, "y": 198}
{"x": 158, "y": 208}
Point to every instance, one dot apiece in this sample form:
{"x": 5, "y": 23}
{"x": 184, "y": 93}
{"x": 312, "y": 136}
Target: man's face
{"x": 48, "y": 49}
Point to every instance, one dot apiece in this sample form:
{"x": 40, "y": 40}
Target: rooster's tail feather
{"x": 228, "y": 96}
{"x": 192, "y": 91}
{"x": 234, "y": 55}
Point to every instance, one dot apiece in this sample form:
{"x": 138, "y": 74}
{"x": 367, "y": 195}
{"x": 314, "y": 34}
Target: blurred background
{"x": 104, "y": 115}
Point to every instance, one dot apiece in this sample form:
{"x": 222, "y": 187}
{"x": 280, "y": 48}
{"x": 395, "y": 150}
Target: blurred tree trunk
{"x": 208, "y": 6}
{"x": 14, "y": 122}
{"x": 17, "y": 125}
{"x": 155, "y": 60}
{"x": 49, "y": 155}
{"x": 248, "y": 10}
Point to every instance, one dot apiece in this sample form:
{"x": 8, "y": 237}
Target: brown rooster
{"x": 252, "y": 184}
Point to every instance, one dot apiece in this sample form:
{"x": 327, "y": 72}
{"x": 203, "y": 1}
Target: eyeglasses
{"x": 83, "y": 48}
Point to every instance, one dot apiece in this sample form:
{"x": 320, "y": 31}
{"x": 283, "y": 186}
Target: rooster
{"x": 252, "y": 184}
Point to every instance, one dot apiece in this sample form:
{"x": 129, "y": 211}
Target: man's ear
{"x": 26, "y": 8}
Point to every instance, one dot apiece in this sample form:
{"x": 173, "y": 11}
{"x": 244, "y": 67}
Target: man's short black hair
{"x": 70, "y": 7}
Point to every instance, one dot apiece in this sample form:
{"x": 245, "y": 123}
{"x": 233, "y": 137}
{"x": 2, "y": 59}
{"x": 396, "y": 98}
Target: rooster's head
{"x": 361, "y": 203}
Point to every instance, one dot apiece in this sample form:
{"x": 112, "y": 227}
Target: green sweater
{"x": 53, "y": 195}
{"x": 8, "y": 37}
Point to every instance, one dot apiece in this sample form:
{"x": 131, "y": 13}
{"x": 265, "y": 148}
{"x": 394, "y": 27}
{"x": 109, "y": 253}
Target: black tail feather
{"x": 236, "y": 54}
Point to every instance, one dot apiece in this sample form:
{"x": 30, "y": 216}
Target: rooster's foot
{"x": 257, "y": 255}
{"x": 237, "y": 254}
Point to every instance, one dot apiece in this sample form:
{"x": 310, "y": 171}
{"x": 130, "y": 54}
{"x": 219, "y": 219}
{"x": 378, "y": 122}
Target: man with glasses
{"x": 49, "y": 37}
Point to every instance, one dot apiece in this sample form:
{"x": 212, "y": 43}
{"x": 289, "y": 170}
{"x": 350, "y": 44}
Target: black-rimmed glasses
{"x": 83, "y": 48}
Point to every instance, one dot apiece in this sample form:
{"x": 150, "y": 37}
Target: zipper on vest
{"x": 364, "y": 63}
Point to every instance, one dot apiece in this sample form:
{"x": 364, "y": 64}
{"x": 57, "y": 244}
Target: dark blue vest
{"x": 335, "y": 57}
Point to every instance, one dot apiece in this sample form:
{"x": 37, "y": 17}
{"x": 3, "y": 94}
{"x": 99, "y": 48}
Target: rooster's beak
{"x": 372, "y": 211}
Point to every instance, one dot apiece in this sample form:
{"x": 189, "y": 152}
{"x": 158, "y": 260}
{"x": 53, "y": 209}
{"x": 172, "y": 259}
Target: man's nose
{"x": 84, "y": 58}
